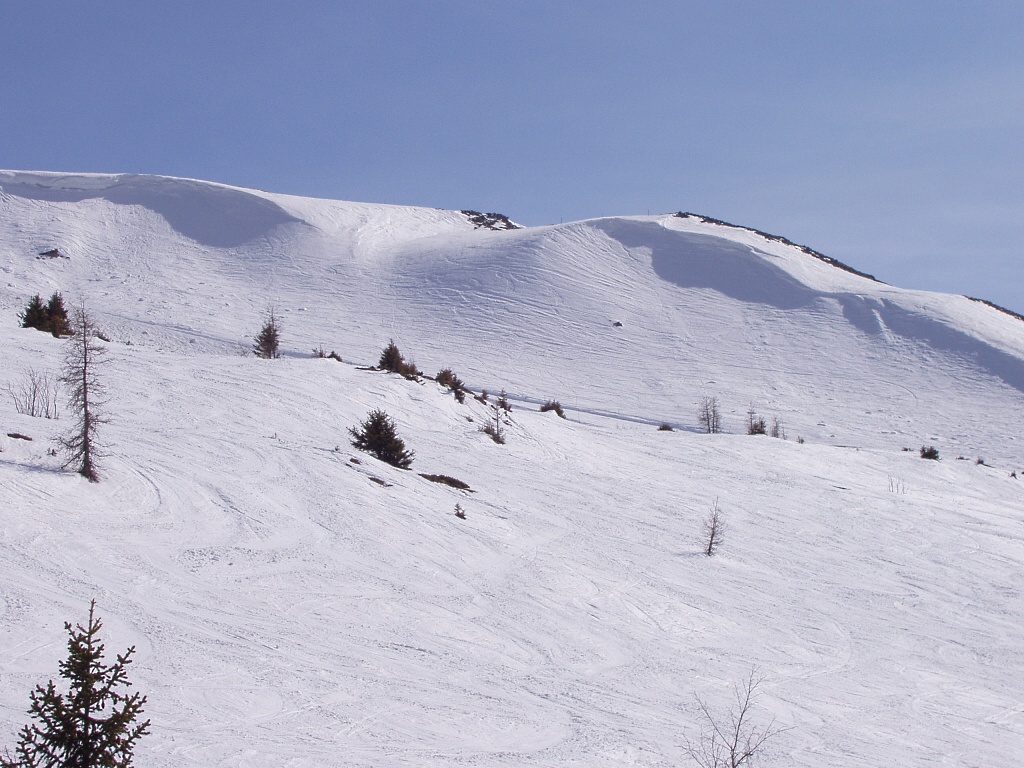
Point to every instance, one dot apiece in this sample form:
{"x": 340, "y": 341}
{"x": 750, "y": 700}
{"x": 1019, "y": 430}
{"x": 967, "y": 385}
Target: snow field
{"x": 293, "y": 607}
{"x": 289, "y": 609}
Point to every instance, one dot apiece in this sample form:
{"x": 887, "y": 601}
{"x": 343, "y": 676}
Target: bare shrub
{"x": 755, "y": 424}
{"x": 732, "y": 740}
{"x": 495, "y": 426}
{"x": 35, "y": 395}
{"x": 931, "y": 452}
{"x": 320, "y": 352}
{"x": 709, "y": 415}
{"x": 503, "y": 402}
{"x": 777, "y": 430}
{"x": 714, "y": 530}
{"x": 665, "y": 427}
{"x": 553, "y": 405}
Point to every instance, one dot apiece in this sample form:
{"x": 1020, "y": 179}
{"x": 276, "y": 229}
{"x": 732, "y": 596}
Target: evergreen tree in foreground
{"x": 93, "y": 725}
{"x": 378, "y": 435}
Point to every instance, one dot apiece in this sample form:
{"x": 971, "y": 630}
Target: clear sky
{"x": 887, "y": 134}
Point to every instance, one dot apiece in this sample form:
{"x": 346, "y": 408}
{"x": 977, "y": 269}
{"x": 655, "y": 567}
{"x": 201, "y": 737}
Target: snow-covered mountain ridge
{"x": 291, "y": 606}
{"x": 190, "y": 265}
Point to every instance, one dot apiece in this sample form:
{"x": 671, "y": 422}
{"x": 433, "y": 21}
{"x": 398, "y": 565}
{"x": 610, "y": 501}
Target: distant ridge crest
{"x": 780, "y": 239}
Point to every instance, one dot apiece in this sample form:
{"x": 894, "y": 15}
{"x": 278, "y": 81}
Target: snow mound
{"x": 213, "y": 215}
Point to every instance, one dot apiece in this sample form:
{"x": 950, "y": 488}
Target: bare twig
{"x": 714, "y": 530}
{"x": 734, "y": 740}
{"x": 35, "y": 395}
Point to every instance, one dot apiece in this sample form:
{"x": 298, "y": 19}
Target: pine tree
{"x": 83, "y": 356}
{"x": 269, "y": 338}
{"x": 94, "y": 724}
{"x": 34, "y": 315}
{"x": 391, "y": 359}
{"x": 57, "y": 321}
{"x": 379, "y": 436}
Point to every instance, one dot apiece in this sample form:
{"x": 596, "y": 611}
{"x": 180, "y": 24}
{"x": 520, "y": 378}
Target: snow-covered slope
{"x": 704, "y": 308}
{"x": 292, "y": 606}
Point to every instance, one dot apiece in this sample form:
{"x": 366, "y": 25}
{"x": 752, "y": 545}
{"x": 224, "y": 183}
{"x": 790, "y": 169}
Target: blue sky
{"x": 889, "y": 135}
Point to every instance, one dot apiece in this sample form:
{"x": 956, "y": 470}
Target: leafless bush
{"x": 665, "y": 427}
{"x": 896, "y": 485}
{"x": 709, "y": 415}
{"x": 755, "y": 424}
{"x": 714, "y": 530}
{"x": 35, "y": 395}
{"x": 495, "y": 426}
{"x": 503, "y": 402}
{"x": 777, "y": 429}
{"x": 732, "y": 740}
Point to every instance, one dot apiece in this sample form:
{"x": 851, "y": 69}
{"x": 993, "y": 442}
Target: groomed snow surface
{"x": 295, "y": 602}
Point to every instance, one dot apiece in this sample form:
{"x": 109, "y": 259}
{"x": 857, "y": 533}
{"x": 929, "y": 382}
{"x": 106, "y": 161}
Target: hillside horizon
{"x": 295, "y": 601}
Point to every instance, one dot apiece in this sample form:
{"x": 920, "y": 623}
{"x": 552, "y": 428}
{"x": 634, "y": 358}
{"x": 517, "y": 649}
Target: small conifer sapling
{"x": 268, "y": 340}
{"x": 379, "y": 436}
